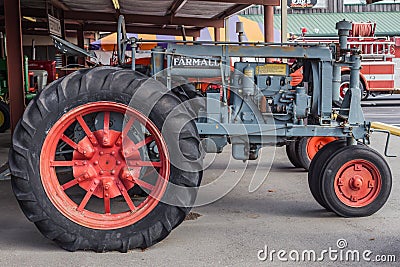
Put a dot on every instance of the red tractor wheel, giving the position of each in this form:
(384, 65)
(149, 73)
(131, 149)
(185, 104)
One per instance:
(316, 167)
(307, 148)
(356, 181)
(80, 152)
(106, 164)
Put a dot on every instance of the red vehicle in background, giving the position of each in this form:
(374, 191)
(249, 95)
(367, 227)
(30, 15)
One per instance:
(380, 71)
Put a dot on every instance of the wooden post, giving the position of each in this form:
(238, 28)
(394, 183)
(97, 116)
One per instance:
(81, 43)
(15, 66)
(217, 34)
(269, 24)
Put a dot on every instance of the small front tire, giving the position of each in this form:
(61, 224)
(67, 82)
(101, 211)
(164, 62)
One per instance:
(291, 153)
(316, 167)
(307, 148)
(356, 182)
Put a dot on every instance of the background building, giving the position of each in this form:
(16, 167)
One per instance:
(320, 19)
(338, 6)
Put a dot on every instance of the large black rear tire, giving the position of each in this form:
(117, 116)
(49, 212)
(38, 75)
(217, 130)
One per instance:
(87, 87)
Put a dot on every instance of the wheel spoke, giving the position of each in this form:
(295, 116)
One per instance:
(68, 141)
(139, 163)
(85, 200)
(87, 197)
(127, 127)
(144, 142)
(61, 163)
(126, 196)
(144, 184)
(96, 163)
(106, 121)
(69, 184)
(106, 129)
(129, 201)
(87, 130)
(64, 152)
(107, 184)
(107, 204)
(149, 172)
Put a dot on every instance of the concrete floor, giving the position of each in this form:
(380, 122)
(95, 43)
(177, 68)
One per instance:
(282, 215)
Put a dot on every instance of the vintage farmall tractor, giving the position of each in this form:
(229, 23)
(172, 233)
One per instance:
(110, 159)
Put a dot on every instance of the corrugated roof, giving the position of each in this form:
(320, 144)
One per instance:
(323, 24)
(141, 16)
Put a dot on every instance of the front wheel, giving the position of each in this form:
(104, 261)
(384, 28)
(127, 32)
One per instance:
(291, 153)
(307, 148)
(356, 181)
(316, 167)
(80, 151)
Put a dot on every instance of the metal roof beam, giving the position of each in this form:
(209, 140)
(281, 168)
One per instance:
(176, 6)
(147, 19)
(129, 18)
(167, 20)
(141, 30)
(111, 28)
(231, 11)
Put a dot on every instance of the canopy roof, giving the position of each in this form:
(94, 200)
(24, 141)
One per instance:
(253, 32)
(142, 16)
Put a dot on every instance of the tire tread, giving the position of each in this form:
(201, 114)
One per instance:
(86, 82)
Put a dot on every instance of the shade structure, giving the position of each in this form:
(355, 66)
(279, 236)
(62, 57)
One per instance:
(109, 43)
(253, 32)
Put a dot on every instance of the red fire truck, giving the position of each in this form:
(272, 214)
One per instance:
(380, 60)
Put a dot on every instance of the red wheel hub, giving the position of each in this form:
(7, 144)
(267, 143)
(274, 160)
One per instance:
(344, 87)
(358, 183)
(106, 164)
(314, 144)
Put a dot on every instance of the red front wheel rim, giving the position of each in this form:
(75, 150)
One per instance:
(316, 143)
(344, 87)
(358, 183)
(106, 163)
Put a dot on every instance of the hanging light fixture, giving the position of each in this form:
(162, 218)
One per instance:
(116, 4)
